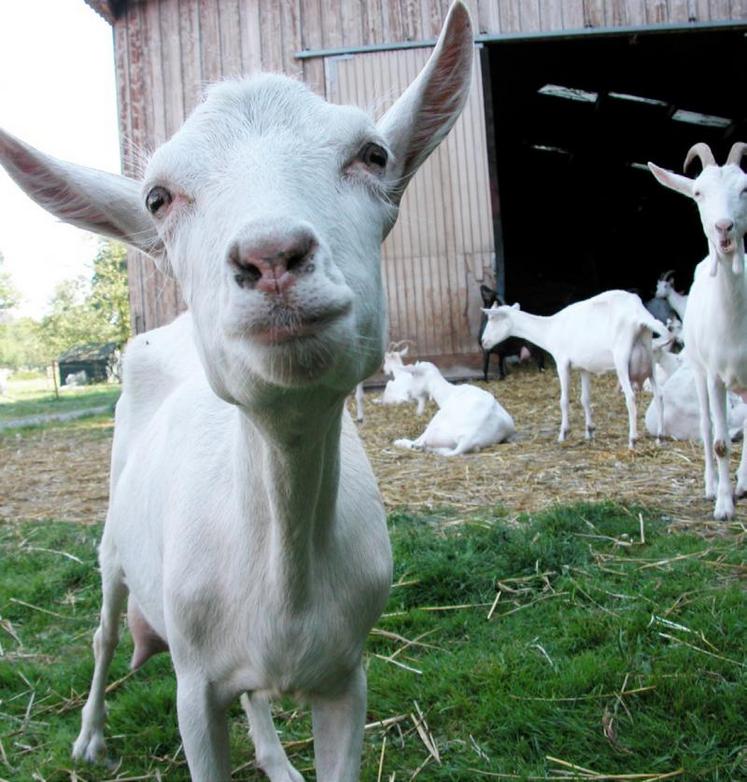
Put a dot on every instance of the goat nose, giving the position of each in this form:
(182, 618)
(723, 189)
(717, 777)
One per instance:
(272, 263)
(724, 226)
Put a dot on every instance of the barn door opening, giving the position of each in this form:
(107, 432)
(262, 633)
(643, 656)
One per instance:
(574, 123)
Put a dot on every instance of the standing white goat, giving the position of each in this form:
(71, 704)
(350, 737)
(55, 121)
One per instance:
(665, 290)
(715, 327)
(468, 418)
(244, 520)
(612, 330)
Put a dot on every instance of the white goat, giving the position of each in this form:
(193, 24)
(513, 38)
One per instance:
(245, 521)
(715, 327)
(397, 390)
(612, 330)
(468, 418)
(681, 409)
(665, 290)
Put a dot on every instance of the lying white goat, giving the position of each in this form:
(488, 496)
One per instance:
(245, 521)
(681, 409)
(468, 418)
(715, 328)
(610, 331)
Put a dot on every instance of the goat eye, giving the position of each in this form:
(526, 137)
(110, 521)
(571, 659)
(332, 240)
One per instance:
(697, 194)
(374, 156)
(157, 198)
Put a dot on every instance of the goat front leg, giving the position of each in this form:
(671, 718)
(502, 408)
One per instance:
(203, 725)
(90, 745)
(586, 404)
(271, 757)
(724, 499)
(564, 376)
(338, 724)
(706, 434)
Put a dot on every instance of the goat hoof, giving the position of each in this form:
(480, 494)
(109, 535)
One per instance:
(590, 432)
(89, 746)
(741, 492)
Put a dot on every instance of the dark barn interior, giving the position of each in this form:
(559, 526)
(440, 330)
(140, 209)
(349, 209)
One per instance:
(574, 121)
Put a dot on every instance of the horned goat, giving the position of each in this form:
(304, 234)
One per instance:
(245, 521)
(610, 331)
(469, 418)
(715, 328)
(665, 291)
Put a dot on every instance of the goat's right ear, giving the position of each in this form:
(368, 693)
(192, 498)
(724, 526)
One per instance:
(682, 184)
(425, 112)
(107, 204)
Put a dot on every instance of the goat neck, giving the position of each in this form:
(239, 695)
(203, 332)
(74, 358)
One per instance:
(295, 476)
(439, 388)
(533, 328)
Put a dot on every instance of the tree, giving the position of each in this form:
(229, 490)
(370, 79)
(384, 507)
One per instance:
(110, 295)
(9, 296)
(91, 311)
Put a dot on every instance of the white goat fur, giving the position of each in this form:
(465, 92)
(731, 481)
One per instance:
(681, 409)
(610, 331)
(245, 520)
(398, 390)
(677, 301)
(469, 418)
(715, 326)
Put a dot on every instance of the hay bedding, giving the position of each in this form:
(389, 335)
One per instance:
(62, 472)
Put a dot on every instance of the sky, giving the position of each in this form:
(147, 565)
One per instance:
(57, 92)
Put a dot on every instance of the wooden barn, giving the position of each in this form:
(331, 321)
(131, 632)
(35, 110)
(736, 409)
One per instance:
(540, 190)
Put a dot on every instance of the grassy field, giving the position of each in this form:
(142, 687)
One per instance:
(36, 397)
(585, 642)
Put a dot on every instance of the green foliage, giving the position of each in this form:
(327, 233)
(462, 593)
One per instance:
(9, 296)
(603, 651)
(81, 311)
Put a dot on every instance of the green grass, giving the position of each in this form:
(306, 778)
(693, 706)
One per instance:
(615, 655)
(36, 397)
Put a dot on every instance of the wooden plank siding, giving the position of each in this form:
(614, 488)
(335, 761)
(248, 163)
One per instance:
(442, 246)
(167, 51)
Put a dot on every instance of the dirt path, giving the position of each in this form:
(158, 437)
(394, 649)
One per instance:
(47, 418)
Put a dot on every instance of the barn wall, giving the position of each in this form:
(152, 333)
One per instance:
(167, 50)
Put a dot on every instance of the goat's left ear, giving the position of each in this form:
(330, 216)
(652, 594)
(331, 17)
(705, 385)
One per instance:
(107, 204)
(682, 184)
(420, 119)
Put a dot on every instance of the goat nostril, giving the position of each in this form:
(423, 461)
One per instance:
(247, 274)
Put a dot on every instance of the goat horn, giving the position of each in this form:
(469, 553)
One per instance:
(702, 151)
(738, 149)
(667, 275)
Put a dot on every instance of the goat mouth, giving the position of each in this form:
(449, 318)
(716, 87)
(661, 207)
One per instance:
(727, 245)
(287, 325)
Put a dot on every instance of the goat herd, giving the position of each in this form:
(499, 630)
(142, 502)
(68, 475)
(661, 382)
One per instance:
(698, 393)
(245, 532)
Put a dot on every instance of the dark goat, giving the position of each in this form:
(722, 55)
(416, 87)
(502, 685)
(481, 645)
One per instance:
(513, 346)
